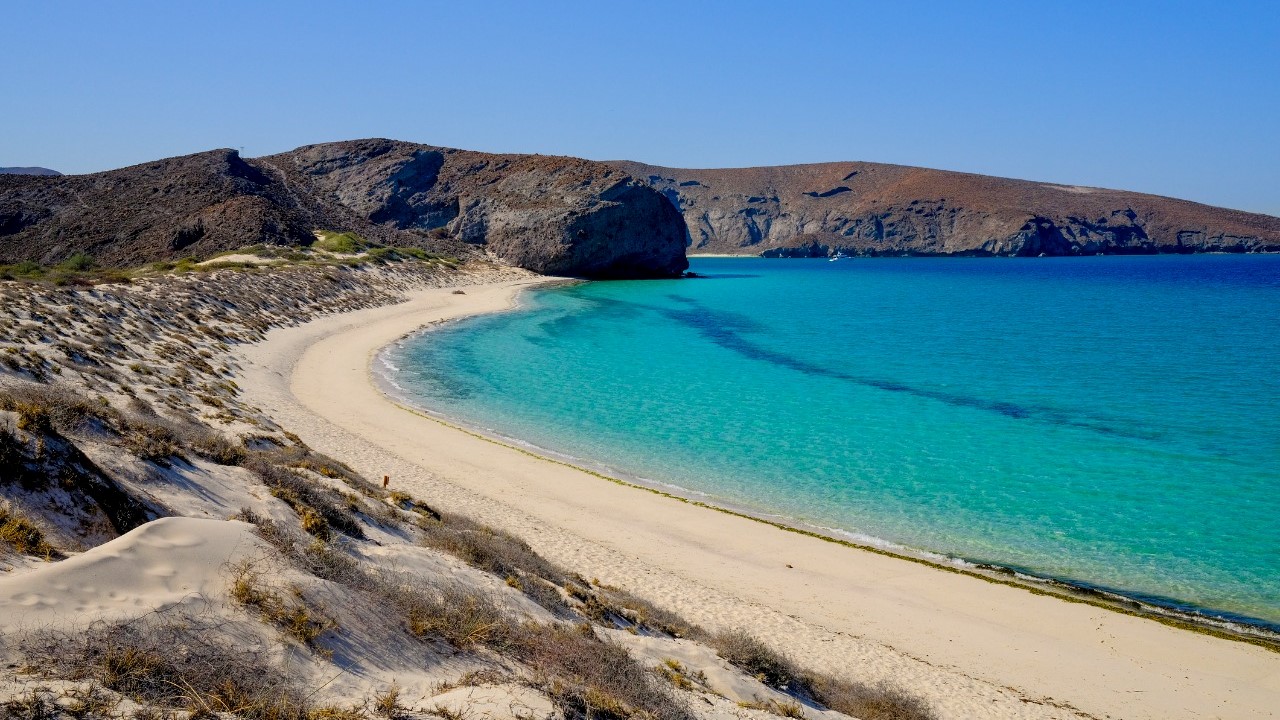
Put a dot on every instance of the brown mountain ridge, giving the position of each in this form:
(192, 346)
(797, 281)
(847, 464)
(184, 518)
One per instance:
(563, 215)
(860, 208)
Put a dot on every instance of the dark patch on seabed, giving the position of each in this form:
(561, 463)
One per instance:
(723, 328)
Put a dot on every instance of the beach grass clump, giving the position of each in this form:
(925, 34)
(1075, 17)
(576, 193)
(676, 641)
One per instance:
(19, 533)
(35, 704)
(346, 243)
(291, 615)
(461, 617)
(489, 549)
(868, 701)
(43, 409)
(387, 703)
(319, 508)
(860, 700)
(674, 672)
(587, 677)
(615, 606)
(177, 663)
(496, 552)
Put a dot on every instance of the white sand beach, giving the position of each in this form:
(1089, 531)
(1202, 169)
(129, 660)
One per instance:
(974, 648)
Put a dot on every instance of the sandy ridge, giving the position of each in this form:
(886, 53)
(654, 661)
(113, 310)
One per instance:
(975, 649)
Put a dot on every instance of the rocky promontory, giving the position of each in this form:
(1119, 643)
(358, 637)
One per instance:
(859, 208)
(548, 214)
(554, 215)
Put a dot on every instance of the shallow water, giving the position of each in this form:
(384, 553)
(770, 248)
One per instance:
(1113, 421)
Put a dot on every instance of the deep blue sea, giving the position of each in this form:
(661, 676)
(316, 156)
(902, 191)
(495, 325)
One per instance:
(1112, 421)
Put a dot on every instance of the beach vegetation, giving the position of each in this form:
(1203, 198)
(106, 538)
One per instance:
(178, 663)
(22, 535)
(347, 243)
(319, 508)
(387, 702)
(674, 672)
(860, 700)
(79, 262)
(34, 704)
(291, 615)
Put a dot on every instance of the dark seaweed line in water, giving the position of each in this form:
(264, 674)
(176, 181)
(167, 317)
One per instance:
(718, 327)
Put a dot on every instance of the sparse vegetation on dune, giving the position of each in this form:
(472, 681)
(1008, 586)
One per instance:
(332, 250)
(172, 663)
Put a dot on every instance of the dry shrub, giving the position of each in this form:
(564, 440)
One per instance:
(320, 508)
(460, 617)
(785, 708)
(211, 445)
(23, 536)
(387, 702)
(591, 678)
(291, 615)
(496, 552)
(268, 530)
(152, 439)
(43, 409)
(868, 702)
(178, 663)
(759, 660)
(613, 606)
(36, 704)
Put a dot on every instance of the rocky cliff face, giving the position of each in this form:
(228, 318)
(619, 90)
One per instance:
(547, 214)
(553, 215)
(873, 209)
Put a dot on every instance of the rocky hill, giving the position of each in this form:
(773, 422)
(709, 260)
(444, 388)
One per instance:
(569, 216)
(27, 171)
(873, 209)
(547, 214)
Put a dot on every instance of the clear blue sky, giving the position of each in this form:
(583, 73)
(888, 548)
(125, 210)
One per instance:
(1174, 98)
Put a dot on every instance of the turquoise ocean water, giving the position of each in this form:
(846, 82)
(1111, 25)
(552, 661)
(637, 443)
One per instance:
(1111, 421)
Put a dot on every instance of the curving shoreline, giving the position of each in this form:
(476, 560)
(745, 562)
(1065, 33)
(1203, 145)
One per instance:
(978, 649)
(1165, 610)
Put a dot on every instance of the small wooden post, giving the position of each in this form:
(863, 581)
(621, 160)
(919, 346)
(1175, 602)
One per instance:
(385, 479)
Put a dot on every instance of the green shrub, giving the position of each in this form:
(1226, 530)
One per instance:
(78, 263)
(347, 242)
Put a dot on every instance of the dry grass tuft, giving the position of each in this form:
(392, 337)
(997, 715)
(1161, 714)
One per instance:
(674, 672)
(588, 677)
(788, 709)
(23, 536)
(387, 702)
(460, 617)
(320, 509)
(614, 606)
(860, 700)
(35, 704)
(178, 664)
(292, 616)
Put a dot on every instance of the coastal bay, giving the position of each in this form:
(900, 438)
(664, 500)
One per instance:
(975, 648)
